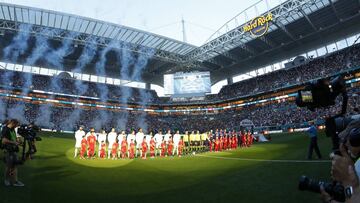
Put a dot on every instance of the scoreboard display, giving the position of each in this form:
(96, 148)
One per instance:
(187, 83)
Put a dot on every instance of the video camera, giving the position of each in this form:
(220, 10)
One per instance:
(29, 133)
(323, 93)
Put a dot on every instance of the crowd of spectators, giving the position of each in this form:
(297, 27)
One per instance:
(29, 81)
(325, 66)
(281, 113)
(320, 67)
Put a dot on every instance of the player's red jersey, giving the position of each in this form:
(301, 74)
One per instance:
(217, 144)
(221, 143)
(123, 148)
(210, 146)
(248, 139)
(114, 149)
(234, 142)
(163, 149)
(225, 142)
(91, 141)
(83, 147)
(152, 148)
(132, 150)
(170, 147)
(144, 148)
(103, 150)
(243, 140)
(181, 147)
(229, 143)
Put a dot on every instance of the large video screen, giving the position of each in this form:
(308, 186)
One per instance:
(187, 83)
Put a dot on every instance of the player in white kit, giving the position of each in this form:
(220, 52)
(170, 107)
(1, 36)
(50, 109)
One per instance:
(111, 139)
(176, 140)
(78, 137)
(158, 140)
(148, 138)
(167, 137)
(139, 139)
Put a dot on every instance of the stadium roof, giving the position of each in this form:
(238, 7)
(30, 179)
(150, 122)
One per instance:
(297, 26)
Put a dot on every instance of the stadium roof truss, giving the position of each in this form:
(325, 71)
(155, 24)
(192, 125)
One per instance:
(283, 15)
(59, 25)
(294, 22)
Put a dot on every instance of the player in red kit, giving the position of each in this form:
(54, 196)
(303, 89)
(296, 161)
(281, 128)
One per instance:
(102, 150)
(217, 144)
(230, 142)
(114, 149)
(234, 142)
(152, 147)
(181, 146)
(248, 139)
(123, 148)
(221, 143)
(170, 147)
(163, 148)
(132, 149)
(91, 140)
(225, 142)
(144, 148)
(83, 147)
(243, 140)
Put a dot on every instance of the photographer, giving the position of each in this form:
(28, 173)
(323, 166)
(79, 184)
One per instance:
(350, 149)
(346, 167)
(10, 143)
(352, 183)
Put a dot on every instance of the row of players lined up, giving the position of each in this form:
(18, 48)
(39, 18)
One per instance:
(131, 145)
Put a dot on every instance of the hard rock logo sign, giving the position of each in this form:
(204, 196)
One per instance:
(259, 25)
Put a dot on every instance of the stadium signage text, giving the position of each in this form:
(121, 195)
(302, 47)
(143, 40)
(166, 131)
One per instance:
(259, 25)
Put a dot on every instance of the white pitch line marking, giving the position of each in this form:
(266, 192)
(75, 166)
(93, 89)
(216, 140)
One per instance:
(265, 160)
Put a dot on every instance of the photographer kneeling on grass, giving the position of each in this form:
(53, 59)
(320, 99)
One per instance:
(10, 144)
(346, 167)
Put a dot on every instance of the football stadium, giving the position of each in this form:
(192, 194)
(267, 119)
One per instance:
(262, 109)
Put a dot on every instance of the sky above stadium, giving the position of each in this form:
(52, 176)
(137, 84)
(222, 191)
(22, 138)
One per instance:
(202, 17)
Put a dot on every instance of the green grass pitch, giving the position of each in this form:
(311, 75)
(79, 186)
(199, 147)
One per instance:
(55, 176)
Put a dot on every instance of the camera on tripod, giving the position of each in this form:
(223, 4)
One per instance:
(29, 133)
(323, 93)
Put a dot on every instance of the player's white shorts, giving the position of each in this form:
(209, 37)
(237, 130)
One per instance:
(157, 145)
(138, 146)
(78, 144)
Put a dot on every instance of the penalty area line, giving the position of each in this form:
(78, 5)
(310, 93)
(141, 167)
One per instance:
(265, 160)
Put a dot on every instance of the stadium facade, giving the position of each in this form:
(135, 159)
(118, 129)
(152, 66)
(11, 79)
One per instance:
(91, 47)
